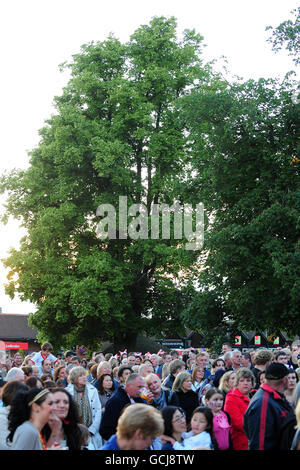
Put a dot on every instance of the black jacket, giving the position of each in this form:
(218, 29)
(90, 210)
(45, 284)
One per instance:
(188, 401)
(269, 421)
(112, 412)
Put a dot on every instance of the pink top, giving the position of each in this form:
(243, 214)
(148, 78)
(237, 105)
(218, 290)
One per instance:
(221, 429)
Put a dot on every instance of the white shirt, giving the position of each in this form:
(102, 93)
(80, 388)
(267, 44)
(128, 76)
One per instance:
(190, 441)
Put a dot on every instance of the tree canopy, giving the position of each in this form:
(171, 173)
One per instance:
(116, 133)
(245, 138)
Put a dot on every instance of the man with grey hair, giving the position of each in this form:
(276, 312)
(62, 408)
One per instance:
(236, 359)
(145, 369)
(15, 374)
(130, 393)
(228, 360)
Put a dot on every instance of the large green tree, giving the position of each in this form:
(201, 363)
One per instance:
(245, 138)
(116, 132)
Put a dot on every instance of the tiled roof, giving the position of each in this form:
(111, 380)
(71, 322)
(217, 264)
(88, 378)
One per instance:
(15, 327)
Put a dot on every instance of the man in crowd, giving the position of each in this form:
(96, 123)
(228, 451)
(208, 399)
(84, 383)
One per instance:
(68, 356)
(122, 397)
(46, 367)
(165, 358)
(226, 347)
(281, 357)
(246, 360)
(269, 421)
(123, 372)
(18, 360)
(161, 398)
(145, 369)
(76, 361)
(131, 360)
(261, 360)
(228, 360)
(155, 359)
(202, 360)
(236, 359)
(175, 367)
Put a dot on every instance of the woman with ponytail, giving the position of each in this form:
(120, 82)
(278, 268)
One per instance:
(30, 411)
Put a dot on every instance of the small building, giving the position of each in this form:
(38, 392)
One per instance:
(16, 334)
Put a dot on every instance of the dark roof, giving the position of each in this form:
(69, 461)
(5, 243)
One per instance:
(15, 327)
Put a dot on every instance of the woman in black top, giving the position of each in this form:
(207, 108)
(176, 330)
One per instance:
(106, 388)
(188, 399)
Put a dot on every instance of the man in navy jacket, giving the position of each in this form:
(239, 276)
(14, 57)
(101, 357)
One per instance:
(114, 406)
(269, 422)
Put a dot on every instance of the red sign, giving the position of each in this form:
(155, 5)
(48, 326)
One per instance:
(16, 345)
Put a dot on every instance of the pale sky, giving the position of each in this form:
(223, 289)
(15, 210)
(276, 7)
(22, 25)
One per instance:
(37, 35)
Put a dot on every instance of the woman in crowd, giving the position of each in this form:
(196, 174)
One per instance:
(201, 435)
(93, 372)
(27, 371)
(187, 398)
(30, 411)
(87, 399)
(175, 424)
(261, 377)
(8, 392)
(60, 373)
(289, 393)
(236, 404)
(69, 433)
(106, 388)
(227, 382)
(198, 378)
(165, 371)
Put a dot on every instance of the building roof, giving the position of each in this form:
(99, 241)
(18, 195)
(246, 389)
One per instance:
(15, 327)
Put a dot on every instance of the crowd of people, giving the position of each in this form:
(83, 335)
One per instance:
(177, 400)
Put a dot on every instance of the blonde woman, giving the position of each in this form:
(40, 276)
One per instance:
(165, 371)
(227, 382)
(187, 398)
(87, 398)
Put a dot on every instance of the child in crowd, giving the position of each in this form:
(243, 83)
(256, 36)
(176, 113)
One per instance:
(45, 353)
(214, 399)
(201, 435)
